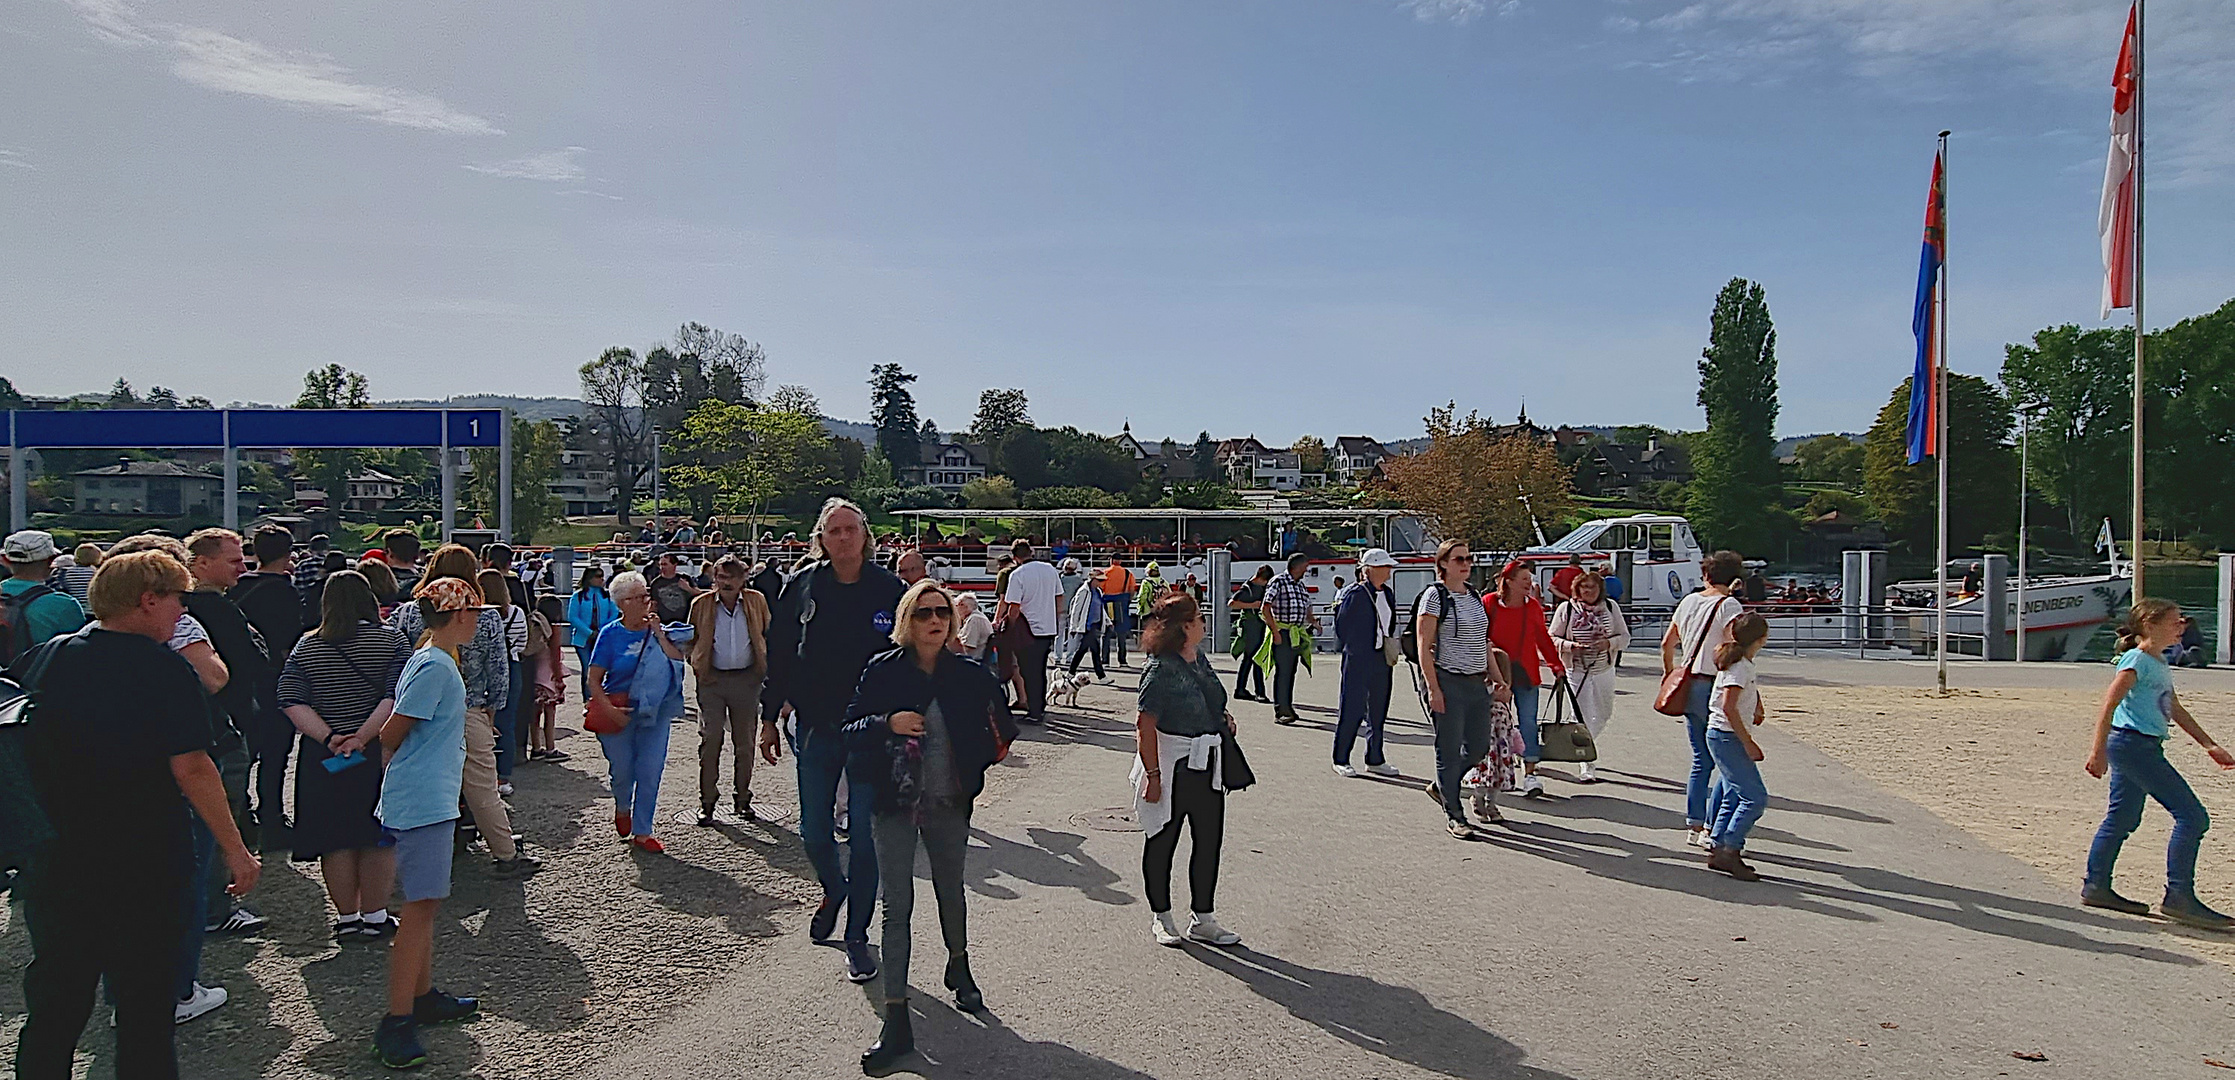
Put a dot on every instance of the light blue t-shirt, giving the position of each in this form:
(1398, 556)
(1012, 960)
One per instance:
(423, 779)
(2147, 708)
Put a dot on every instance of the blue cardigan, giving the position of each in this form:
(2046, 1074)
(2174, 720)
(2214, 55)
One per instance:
(1355, 617)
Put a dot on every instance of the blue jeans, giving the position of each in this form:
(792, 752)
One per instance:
(197, 907)
(2139, 772)
(1117, 621)
(507, 722)
(1703, 762)
(1525, 714)
(1364, 705)
(637, 755)
(1744, 797)
(821, 752)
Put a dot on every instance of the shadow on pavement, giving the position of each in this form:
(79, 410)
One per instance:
(1609, 856)
(1779, 802)
(1397, 1022)
(1642, 815)
(949, 1043)
(1053, 858)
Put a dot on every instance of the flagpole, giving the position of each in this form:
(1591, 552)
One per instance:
(2136, 563)
(1940, 426)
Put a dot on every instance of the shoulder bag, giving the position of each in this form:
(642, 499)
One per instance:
(1234, 769)
(1564, 738)
(1676, 692)
(607, 713)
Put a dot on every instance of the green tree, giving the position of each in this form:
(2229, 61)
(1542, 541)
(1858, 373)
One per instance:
(1067, 498)
(2079, 383)
(2191, 375)
(999, 412)
(1474, 484)
(121, 396)
(1736, 489)
(162, 397)
(1024, 455)
(794, 398)
(990, 493)
(9, 398)
(1081, 459)
(1311, 453)
(535, 463)
(332, 387)
(1830, 459)
(618, 424)
(750, 457)
(1982, 469)
(892, 410)
(1206, 453)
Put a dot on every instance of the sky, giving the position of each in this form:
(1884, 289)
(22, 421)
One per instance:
(1274, 218)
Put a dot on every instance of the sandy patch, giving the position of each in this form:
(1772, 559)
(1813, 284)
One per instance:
(2005, 765)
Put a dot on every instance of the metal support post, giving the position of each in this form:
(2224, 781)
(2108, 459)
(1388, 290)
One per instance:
(19, 506)
(504, 477)
(449, 482)
(1218, 571)
(1994, 606)
(233, 476)
(2225, 649)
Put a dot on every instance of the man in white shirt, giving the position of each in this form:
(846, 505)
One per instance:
(1033, 588)
(729, 654)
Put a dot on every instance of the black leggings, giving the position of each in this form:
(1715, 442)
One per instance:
(1204, 811)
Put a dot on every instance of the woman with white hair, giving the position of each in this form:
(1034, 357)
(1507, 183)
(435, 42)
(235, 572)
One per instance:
(642, 661)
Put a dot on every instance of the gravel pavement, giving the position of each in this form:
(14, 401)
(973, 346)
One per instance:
(1584, 940)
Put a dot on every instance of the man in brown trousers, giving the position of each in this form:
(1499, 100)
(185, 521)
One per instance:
(729, 654)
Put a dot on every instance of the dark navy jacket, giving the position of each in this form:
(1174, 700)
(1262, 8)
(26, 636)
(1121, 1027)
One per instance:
(1355, 615)
(970, 701)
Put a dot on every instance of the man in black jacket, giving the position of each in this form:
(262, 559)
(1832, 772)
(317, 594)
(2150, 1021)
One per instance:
(271, 603)
(215, 559)
(830, 618)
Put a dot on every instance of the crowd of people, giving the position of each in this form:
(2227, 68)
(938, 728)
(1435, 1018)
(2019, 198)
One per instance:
(172, 690)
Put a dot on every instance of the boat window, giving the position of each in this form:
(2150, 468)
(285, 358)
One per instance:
(1612, 538)
(1663, 543)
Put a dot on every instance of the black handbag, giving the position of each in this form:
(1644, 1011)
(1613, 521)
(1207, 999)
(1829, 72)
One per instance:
(1235, 768)
(1562, 738)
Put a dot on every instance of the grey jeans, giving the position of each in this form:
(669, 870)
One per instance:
(946, 838)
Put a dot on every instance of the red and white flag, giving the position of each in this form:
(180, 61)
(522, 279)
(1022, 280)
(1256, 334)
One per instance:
(2115, 222)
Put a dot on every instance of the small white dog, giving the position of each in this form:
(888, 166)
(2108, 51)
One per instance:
(1065, 688)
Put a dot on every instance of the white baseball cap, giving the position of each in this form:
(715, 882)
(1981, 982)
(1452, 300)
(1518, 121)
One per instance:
(1377, 557)
(30, 545)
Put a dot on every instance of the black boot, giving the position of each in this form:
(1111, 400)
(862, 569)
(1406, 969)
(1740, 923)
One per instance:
(893, 1043)
(968, 997)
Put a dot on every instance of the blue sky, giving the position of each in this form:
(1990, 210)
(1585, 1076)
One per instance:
(1275, 218)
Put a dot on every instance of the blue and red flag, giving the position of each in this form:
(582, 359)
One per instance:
(1924, 385)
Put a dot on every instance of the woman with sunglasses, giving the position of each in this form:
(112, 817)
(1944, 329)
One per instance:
(925, 725)
(638, 656)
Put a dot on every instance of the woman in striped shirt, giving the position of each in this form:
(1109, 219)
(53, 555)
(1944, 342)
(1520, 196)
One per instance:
(338, 687)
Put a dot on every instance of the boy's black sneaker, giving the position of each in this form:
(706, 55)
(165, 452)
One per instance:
(2105, 898)
(396, 1043)
(2189, 911)
(436, 1007)
(825, 922)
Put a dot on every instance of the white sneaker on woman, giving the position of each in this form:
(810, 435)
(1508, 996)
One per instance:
(204, 999)
(1383, 769)
(1345, 771)
(1201, 926)
(1166, 931)
(1584, 774)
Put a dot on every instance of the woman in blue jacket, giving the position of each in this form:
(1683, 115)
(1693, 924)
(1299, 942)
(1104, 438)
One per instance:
(924, 726)
(588, 610)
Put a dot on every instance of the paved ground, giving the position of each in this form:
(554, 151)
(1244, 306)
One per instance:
(1582, 941)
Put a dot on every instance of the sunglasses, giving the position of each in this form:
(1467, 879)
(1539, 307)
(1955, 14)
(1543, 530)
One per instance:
(926, 614)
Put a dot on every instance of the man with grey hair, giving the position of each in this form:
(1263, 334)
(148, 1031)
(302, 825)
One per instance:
(831, 616)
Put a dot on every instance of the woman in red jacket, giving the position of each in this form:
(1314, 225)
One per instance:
(1517, 626)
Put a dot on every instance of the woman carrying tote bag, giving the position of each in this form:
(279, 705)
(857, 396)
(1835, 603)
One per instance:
(1590, 632)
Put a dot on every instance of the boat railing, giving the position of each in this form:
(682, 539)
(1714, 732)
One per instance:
(1795, 629)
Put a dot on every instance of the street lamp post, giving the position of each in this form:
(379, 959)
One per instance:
(2025, 433)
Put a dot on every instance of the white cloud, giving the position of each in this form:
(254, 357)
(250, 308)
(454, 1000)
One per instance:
(587, 191)
(1620, 24)
(305, 80)
(1457, 11)
(15, 159)
(562, 166)
(2064, 43)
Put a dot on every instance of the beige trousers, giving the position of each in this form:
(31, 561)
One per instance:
(728, 701)
(482, 800)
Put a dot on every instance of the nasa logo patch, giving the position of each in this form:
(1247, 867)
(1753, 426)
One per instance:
(882, 621)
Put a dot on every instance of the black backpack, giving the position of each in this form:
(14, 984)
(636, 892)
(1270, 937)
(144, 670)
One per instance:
(15, 623)
(1445, 609)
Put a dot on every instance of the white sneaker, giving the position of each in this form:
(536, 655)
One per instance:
(1167, 932)
(205, 998)
(1584, 774)
(1344, 771)
(505, 788)
(1531, 787)
(1383, 769)
(1204, 928)
(1696, 838)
